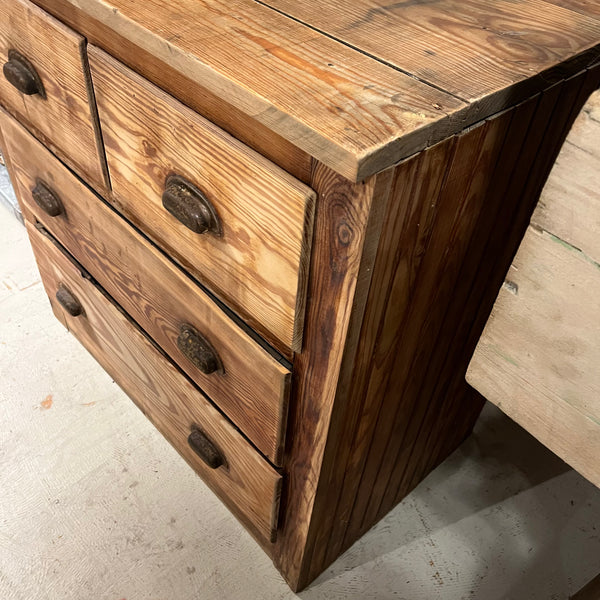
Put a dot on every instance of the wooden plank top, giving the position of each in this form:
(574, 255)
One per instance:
(360, 84)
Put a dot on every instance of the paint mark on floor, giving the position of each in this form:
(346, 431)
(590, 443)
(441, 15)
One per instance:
(46, 403)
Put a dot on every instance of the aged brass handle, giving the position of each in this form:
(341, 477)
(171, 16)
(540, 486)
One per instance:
(205, 449)
(190, 206)
(45, 197)
(22, 75)
(68, 301)
(198, 350)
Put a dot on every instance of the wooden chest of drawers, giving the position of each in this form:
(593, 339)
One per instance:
(281, 229)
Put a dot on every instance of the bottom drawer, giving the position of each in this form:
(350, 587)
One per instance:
(244, 480)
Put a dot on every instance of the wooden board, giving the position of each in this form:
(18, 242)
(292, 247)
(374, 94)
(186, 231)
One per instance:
(253, 389)
(390, 86)
(469, 48)
(590, 8)
(66, 118)
(258, 266)
(246, 482)
(570, 205)
(538, 356)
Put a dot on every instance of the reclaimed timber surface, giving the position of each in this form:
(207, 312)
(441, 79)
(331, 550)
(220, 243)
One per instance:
(538, 356)
(471, 49)
(258, 265)
(66, 118)
(246, 483)
(570, 205)
(192, 93)
(591, 8)
(252, 390)
(355, 100)
(427, 130)
(347, 110)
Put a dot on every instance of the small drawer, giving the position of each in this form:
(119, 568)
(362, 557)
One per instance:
(245, 380)
(45, 83)
(205, 439)
(233, 219)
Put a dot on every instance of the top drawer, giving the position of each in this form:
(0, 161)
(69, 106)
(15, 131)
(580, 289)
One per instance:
(174, 174)
(45, 84)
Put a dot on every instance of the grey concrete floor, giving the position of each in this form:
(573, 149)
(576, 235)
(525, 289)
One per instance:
(94, 504)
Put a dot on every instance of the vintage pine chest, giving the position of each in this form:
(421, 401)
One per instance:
(281, 225)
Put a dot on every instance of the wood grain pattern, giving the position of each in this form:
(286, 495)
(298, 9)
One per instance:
(66, 119)
(346, 230)
(538, 357)
(591, 8)
(406, 405)
(219, 110)
(347, 107)
(575, 176)
(340, 106)
(423, 285)
(253, 390)
(258, 266)
(559, 106)
(247, 483)
(469, 48)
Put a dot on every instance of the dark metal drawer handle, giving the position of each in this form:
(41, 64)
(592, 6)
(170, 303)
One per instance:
(68, 301)
(46, 198)
(22, 75)
(205, 449)
(198, 350)
(190, 206)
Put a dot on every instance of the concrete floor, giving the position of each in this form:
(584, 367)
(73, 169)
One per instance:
(94, 504)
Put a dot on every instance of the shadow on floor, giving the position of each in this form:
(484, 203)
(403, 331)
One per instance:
(506, 501)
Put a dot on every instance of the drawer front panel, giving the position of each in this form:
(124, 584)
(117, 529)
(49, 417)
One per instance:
(248, 384)
(228, 464)
(45, 84)
(257, 257)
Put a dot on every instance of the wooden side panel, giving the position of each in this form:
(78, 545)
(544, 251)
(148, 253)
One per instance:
(66, 118)
(452, 222)
(258, 264)
(246, 482)
(557, 110)
(253, 387)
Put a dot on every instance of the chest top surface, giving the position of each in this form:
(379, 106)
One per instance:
(360, 84)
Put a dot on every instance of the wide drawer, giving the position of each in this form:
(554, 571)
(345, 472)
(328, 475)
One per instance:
(45, 84)
(248, 383)
(172, 171)
(216, 451)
